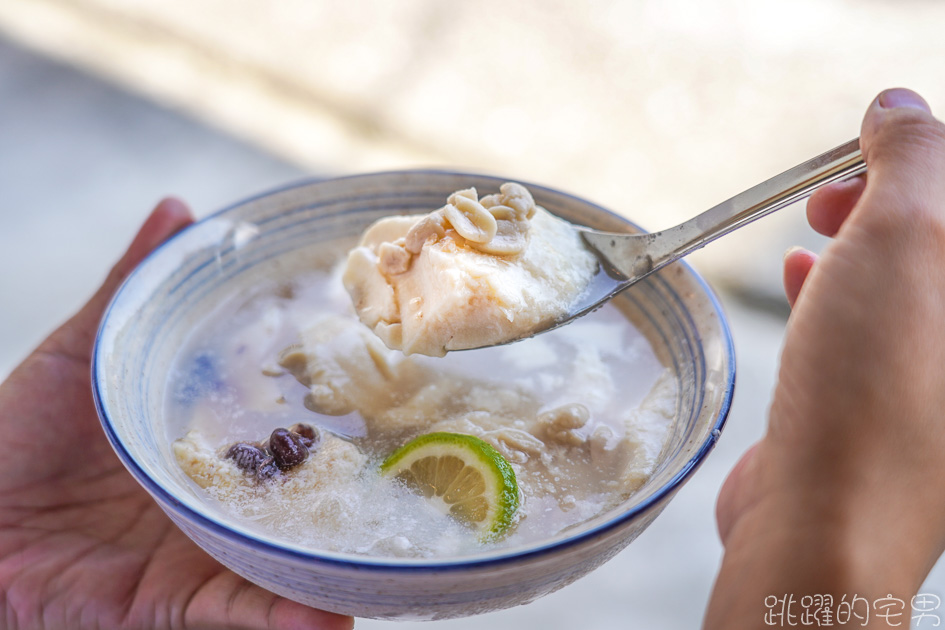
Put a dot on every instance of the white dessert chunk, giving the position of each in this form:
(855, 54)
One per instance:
(474, 273)
(582, 415)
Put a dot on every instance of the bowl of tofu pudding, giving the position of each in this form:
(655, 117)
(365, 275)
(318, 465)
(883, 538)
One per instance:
(287, 379)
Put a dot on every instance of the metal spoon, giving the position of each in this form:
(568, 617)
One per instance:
(628, 258)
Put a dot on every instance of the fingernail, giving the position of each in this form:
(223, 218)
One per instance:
(901, 97)
(791, 250)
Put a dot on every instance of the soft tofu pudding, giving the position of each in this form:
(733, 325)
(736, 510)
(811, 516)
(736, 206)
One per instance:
(476, 272)
(294, 419)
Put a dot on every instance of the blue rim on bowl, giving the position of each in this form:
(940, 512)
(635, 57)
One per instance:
(202, 518)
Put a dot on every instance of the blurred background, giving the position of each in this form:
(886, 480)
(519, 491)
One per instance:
(656, 109)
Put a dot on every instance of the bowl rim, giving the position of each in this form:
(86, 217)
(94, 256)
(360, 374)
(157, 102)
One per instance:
(349, 560)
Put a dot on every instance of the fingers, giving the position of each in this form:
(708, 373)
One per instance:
(899, 134)
(168, 217)
(829, 207)
(797, 265)
(75, 337)
(288, 614)
(904, 149)
(229, 601)
(737, 493)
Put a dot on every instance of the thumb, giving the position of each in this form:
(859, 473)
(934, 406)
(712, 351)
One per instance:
(75, 338)
(904, 147)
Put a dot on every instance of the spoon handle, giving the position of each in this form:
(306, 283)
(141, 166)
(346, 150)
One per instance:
(779, 191)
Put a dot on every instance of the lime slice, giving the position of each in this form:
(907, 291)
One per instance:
(462, 476)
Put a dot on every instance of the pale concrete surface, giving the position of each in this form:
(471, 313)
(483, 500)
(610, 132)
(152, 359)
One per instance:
(81, 165)
(656, 108)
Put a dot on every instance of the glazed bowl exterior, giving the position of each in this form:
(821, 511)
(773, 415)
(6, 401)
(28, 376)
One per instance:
(168, 294)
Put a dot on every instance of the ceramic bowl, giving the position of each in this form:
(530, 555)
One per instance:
(174, 287)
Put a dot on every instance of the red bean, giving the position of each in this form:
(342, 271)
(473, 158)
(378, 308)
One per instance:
(246, 456)
(287, 448)
(307, 432)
